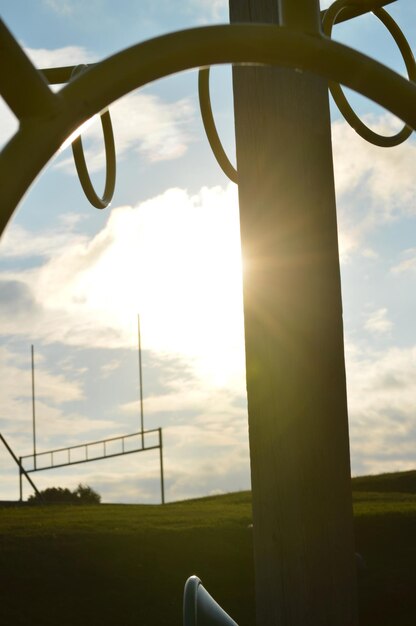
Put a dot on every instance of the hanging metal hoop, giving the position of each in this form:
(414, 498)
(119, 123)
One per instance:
(337, 93)
(110, 159)
(210, 128)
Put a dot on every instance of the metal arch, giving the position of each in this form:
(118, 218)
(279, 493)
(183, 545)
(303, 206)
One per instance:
(143, 63)
(341, 101)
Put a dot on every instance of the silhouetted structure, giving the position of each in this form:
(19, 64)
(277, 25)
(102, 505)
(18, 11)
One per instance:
(93, 451)
(293, 318)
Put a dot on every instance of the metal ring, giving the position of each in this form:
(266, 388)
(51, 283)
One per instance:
(210, 128)
(337, 92)
(110, 159)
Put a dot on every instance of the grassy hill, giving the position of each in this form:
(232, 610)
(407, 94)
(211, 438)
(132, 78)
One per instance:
(127, 564)
(399, 482)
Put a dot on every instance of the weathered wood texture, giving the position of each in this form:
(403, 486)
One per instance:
(298, 425)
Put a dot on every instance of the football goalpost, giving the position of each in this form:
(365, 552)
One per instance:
(110, 447)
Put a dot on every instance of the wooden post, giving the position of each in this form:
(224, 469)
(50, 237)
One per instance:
(298, 424)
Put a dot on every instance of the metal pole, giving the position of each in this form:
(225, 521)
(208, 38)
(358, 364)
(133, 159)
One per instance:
(19, 464)
(140, 380)
(33, 406)
(162, 480)
(296, 391)
(15, 92)
(20, 480)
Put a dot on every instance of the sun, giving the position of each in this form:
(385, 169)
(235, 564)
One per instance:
(176, 260)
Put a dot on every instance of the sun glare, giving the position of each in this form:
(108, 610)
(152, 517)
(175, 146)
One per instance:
(176, 260)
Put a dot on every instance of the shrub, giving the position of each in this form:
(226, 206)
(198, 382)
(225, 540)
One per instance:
(83, 494)
(86, 495)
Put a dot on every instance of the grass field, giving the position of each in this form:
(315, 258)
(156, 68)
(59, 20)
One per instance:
(127, 564)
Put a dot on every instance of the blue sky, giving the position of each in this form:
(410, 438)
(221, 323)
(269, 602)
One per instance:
(73, 279)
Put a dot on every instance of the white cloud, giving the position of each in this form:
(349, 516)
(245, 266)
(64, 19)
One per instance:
(142, 124)
(408, 264)
(17, 382)
(378, 322)
(44, 58)
(175, 259)
(55, 425)
(109, 367)
(374, 185)
(225, 470)
(20, 243)
(375, 189)
(381, 400)
(190, 408)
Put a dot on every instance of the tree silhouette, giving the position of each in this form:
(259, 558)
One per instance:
(83, 494)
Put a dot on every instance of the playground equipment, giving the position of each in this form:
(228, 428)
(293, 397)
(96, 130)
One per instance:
(200, 609)
(303, 541)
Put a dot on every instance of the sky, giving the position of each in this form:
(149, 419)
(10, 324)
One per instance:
(74, 279)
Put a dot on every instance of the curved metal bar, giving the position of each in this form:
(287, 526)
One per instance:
(210, 128)
(337, 93)
(134, 67)
(24, 79)
(110, 159)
